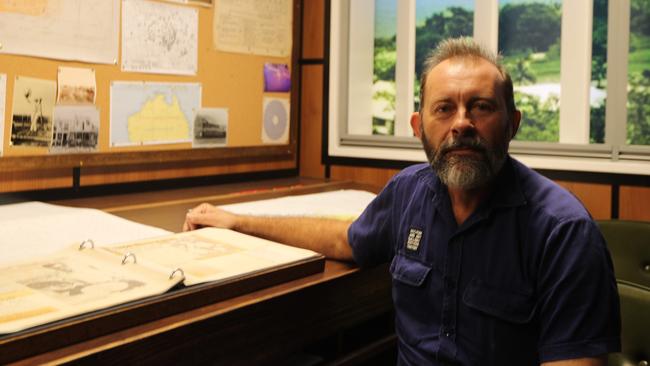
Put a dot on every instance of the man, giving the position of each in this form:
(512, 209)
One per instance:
(492, 264)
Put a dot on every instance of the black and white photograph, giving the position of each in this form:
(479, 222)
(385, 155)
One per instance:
(210, 127)
(76, 129)
(33, 103)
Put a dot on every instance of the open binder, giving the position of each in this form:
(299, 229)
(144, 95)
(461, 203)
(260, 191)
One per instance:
(84, 278)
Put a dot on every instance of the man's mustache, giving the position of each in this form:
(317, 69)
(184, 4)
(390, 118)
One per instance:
(463, 143)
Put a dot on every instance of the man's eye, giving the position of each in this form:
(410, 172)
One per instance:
(483, 107)
(442, 109)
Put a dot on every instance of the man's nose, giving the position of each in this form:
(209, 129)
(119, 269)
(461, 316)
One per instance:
(463, 124)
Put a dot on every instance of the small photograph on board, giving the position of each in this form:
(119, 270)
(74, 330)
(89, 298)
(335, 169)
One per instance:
(277, 77)
(76, 86)
(275, 120)
(210, 127)
(32, 112)
(75, 129)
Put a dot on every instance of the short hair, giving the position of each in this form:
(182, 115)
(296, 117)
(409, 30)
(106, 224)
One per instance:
(466, 47)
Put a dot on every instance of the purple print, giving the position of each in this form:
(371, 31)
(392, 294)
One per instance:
(276, 78)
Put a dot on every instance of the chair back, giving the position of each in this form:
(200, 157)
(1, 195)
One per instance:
(629, 245)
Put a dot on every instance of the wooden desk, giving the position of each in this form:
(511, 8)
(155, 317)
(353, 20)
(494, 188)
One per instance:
(261, 327)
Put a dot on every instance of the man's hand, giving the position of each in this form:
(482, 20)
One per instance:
(207, 215)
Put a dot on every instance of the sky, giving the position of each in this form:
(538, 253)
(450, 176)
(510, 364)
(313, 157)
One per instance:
(386, 10)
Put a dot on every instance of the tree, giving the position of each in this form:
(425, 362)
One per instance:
(452, 22)
(599, 43)
(539, 121)
(528, 27)
(597, 123)
(521, 72)
(640, 16)
(638, 109)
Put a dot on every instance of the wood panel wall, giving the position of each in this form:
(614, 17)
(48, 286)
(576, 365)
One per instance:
(598, 198)
(311, 97)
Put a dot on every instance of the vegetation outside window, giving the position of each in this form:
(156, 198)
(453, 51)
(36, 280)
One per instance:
(581, 70)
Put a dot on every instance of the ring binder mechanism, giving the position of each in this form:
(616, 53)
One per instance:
(175, 271)
(82, 246)
(129, 255)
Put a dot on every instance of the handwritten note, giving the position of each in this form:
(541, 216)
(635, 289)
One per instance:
(253, 27)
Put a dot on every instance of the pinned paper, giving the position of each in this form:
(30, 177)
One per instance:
(210, 127)
(32, 111)
(76, 86)
(277, 77)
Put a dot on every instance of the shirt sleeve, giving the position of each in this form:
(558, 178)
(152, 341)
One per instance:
(371, 236)
(578, 306)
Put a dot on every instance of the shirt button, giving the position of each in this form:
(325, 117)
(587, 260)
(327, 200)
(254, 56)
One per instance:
(447, 334)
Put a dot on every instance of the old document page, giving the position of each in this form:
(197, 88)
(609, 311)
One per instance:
(72, 282)
(212, 254)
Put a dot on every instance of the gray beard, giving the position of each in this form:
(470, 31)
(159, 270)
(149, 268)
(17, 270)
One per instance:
(465, 172)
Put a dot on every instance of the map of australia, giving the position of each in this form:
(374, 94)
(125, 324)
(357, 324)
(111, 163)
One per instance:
(159, 121)
(144, 113)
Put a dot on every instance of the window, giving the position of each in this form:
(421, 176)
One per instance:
(598, 91)
(638, 96)
(384, 61)
(529, 40)
(435, 21)
(582, 82)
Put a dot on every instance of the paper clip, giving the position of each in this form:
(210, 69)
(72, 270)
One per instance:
(126, 257)
(82, 246)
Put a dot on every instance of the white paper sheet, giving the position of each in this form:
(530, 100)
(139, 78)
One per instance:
(83, 30)
(3, 100)
(253, 27)
(342, 204)
(159, 38)
(33, 229)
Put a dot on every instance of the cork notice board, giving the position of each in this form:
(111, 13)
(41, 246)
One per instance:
(230, 80)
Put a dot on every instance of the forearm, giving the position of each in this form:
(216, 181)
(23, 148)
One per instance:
(326, 236)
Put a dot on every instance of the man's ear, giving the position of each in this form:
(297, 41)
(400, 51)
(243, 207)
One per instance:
(516, 119)
(416, 124)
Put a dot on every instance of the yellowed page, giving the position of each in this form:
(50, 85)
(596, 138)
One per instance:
(213, 254)
(72, 282)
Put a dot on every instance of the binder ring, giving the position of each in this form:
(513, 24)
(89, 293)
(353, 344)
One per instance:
(90, 242)
(129, 255)
(177, 270)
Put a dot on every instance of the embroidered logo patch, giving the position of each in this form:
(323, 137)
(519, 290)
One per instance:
(413, 242)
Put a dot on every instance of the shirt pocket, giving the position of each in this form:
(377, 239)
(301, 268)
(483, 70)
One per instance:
(409, 271)
(513, 306)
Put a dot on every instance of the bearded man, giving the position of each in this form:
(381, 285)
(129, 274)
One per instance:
(492, 263)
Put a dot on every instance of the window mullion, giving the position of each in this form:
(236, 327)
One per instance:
(575, 70)
(486, 23)
(360, 71)
(618, 43)
(405, 67)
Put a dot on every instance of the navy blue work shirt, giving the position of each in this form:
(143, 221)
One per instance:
(526, 279)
